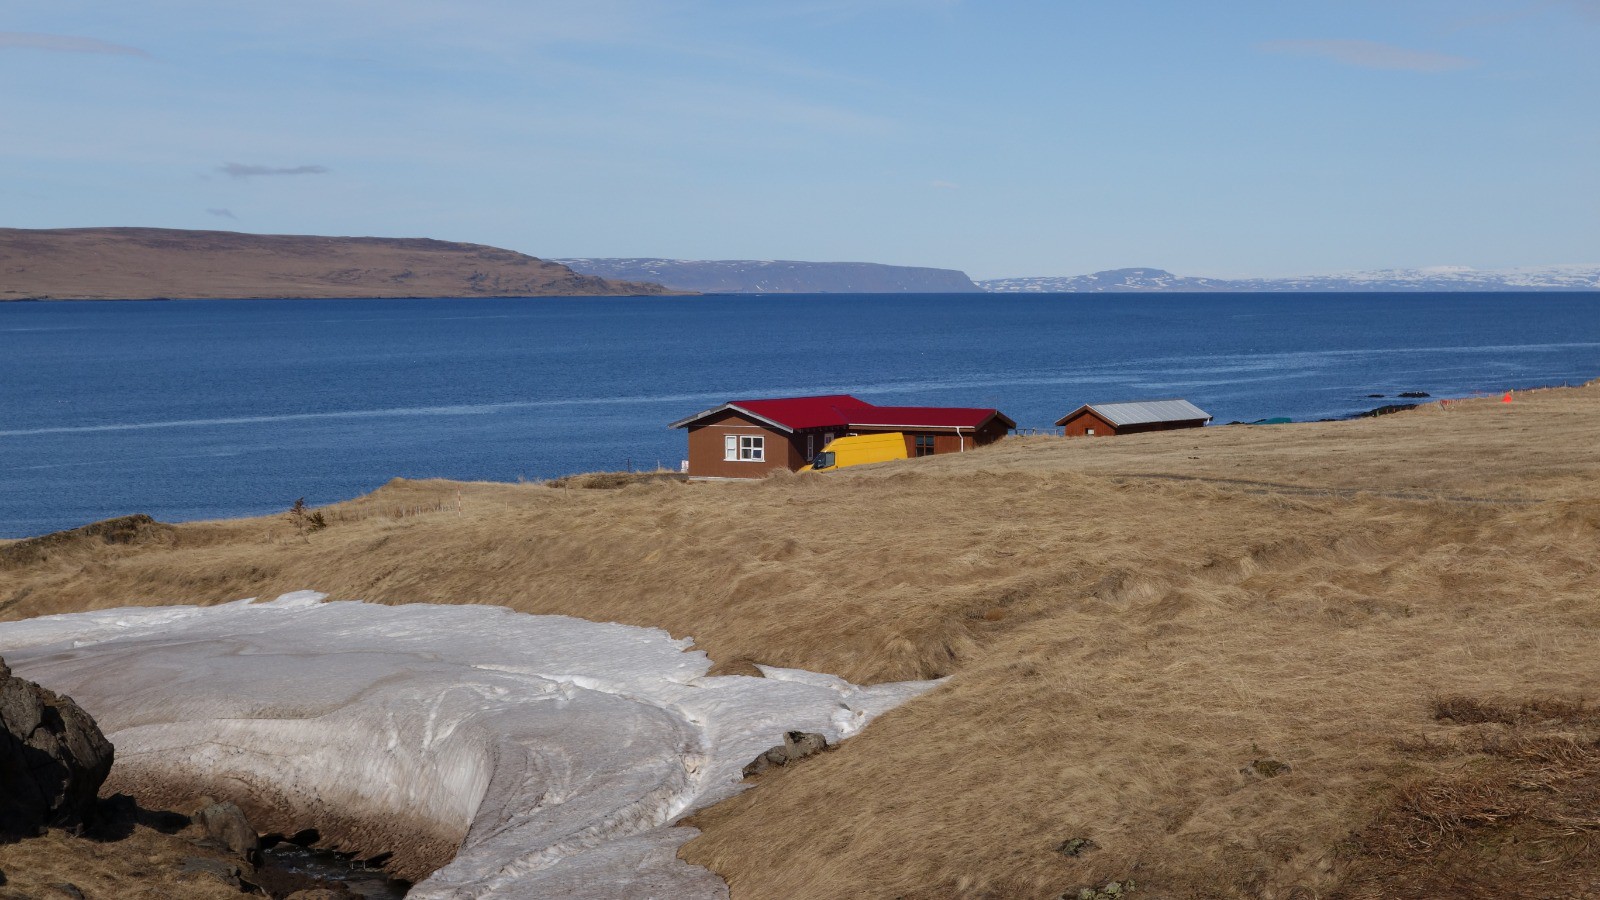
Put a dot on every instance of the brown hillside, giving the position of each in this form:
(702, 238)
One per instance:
(1326, 660)
(147, 263)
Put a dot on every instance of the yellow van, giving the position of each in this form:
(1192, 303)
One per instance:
(857, 449)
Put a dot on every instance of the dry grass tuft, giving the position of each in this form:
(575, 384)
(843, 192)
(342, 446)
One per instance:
(1388, 617)
(613, 480)
(134, 529)
(1509, 812)
(1472, 711)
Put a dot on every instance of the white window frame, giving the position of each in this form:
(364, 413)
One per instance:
(752, 448)
(730, 448)
(811, 447)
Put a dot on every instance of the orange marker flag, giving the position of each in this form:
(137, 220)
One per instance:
(1506, 398)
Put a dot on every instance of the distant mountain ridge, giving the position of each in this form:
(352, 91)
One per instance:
(151, 263)
(751, 276)
(1440, 278)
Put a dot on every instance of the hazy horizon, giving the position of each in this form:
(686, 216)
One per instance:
(1006, 140)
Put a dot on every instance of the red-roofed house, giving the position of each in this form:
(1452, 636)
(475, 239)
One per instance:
(749, 438)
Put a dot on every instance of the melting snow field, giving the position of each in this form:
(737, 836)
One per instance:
(556, 752)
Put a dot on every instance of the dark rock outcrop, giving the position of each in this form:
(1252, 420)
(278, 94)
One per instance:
(797, 745)
(53, 759)
(1390, 409)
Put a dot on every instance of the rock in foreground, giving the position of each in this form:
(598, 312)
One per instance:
(53, 759)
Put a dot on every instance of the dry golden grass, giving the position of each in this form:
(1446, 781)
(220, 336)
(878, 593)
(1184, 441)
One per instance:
(144, 865)
(1516, 814)
(1139, 631)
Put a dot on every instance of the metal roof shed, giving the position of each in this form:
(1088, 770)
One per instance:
(1132, 417)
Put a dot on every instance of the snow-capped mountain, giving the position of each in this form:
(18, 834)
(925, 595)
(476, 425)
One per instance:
(1436, 278)
(1110, 280)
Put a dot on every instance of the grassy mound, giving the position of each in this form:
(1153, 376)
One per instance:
(1224, 662)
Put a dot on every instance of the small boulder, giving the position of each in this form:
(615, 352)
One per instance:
(800, 744)
(225, 825)
(1266, 768)
(1076, 846)
(773, 757)
(200, 867)
(797, 745)
(53, 759)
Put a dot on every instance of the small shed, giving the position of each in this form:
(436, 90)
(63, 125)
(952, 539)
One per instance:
(1132, 417)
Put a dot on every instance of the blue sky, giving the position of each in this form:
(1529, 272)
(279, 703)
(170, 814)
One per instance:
(1004, 138)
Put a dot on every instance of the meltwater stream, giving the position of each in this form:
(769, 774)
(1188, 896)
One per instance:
(555, 753)
(365, 882)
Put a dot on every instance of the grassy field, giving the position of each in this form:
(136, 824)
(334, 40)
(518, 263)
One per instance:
(1323, 660)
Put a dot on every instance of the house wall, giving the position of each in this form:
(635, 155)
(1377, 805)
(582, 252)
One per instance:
(783, 451)
(1160, 426)
(991, 432)
(1079, 426)
(946, 441)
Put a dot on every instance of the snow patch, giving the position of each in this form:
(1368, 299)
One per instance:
(557, 752)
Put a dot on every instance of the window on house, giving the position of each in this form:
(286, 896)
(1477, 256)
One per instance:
(730, 446)
(811, 447)
(1089, 431)
(752, 448)
(827, 438)
(924, 445)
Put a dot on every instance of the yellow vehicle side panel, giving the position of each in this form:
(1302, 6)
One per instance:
(860, 449)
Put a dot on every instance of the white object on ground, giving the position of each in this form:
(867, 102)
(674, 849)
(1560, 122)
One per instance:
(557, 751)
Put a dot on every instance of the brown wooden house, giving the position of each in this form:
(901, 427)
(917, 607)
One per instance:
(749, 438)
(1098, 419)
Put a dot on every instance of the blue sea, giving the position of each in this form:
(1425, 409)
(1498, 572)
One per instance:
(203, 409)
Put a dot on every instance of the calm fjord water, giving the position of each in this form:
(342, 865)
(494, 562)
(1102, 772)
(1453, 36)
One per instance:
(203, 409)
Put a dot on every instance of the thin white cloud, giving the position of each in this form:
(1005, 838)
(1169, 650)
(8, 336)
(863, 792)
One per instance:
(941, 184)
(65, 43)
(222, 213)
(1372, 55)
(243, 170)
